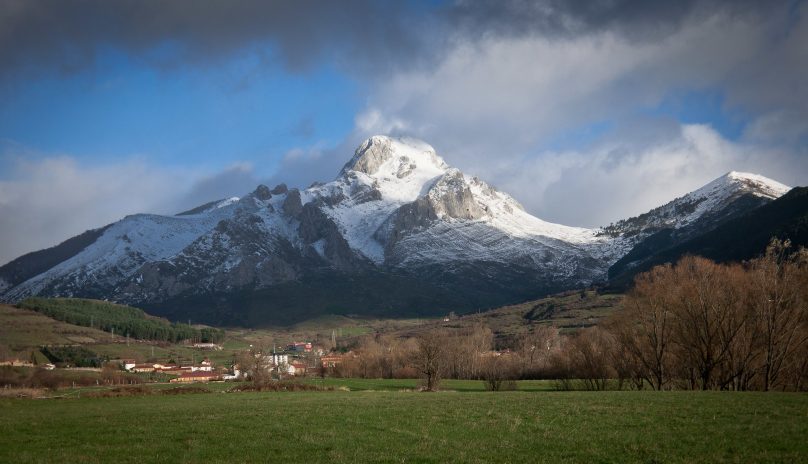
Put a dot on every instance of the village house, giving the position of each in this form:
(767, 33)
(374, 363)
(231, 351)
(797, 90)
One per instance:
(199, 376)
(297, 369)
(275, 360)
(177, 370)
(236, 375)
(299, 346)
(204, 366)
(142, 368)
(331, 360)
(128, 364)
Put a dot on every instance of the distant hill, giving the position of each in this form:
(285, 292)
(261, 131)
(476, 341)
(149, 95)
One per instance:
(568, 311)
(737, 239)
(23, 329)
(120, 319)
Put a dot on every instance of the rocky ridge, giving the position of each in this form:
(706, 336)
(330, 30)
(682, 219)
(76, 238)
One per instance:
(396, 217)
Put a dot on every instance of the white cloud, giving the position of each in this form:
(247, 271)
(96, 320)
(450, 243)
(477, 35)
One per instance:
(611, 182)
(53, 198)
(493, 106)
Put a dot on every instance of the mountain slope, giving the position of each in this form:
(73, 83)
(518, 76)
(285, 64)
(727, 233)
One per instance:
(397, 232)
(32, 264)
(694, 214)
(737, 239)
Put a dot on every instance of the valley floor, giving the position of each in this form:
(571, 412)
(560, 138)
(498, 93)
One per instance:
(383, 423)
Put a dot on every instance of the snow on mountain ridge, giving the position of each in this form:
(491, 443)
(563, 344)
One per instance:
(385, 174)
(723, 190)
(125, 246)
(691, 207)
(754, 183)
(396, 203)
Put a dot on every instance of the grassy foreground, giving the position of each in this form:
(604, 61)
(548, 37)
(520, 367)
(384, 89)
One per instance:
(381, 426)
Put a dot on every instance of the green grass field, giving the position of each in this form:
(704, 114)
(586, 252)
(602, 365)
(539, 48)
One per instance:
(412, 384)
(395, 426)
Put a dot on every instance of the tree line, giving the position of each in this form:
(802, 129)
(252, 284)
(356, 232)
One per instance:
(702, 325)
(119, 319)
(693, 325)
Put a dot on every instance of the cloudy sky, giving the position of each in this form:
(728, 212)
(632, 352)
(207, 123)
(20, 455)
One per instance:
(586, 111)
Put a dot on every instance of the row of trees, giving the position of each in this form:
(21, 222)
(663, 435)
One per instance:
(464, 353)
(695, 325)
(701, 325)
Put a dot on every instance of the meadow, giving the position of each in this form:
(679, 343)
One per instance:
(381, 421)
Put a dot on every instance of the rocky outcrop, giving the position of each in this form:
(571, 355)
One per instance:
(262, 193)
(292, 206)
(279, 189)
(370, 155)
(451, 197)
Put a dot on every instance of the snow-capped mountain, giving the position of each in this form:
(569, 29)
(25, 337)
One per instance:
(710, 199)
(398, 231)
(686, 217)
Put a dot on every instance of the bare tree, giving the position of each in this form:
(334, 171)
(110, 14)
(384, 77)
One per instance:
(499, 372)
(643, 329)
(535, 348)
(703, 325)
(430, 359)
(255, 366)
(777, 283)
(707, 322)
(589, 353)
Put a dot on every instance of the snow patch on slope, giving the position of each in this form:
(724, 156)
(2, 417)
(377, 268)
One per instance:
(507, 215)
(124, 247)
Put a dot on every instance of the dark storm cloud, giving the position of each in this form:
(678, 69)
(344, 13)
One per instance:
(636, 19)
(364, 35)
(67, 34)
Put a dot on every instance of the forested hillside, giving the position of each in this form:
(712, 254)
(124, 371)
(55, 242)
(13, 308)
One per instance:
(120, 319)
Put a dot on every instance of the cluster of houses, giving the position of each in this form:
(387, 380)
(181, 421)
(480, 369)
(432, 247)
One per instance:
(204, 372)
(283, 364)
(296, 360)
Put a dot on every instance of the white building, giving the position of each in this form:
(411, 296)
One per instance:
(276, 360)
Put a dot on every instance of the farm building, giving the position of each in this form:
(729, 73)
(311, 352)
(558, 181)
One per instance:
(198, 376)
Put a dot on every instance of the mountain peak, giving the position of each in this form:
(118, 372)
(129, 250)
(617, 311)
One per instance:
(401, 169)
(755, 184)
(382, 155)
